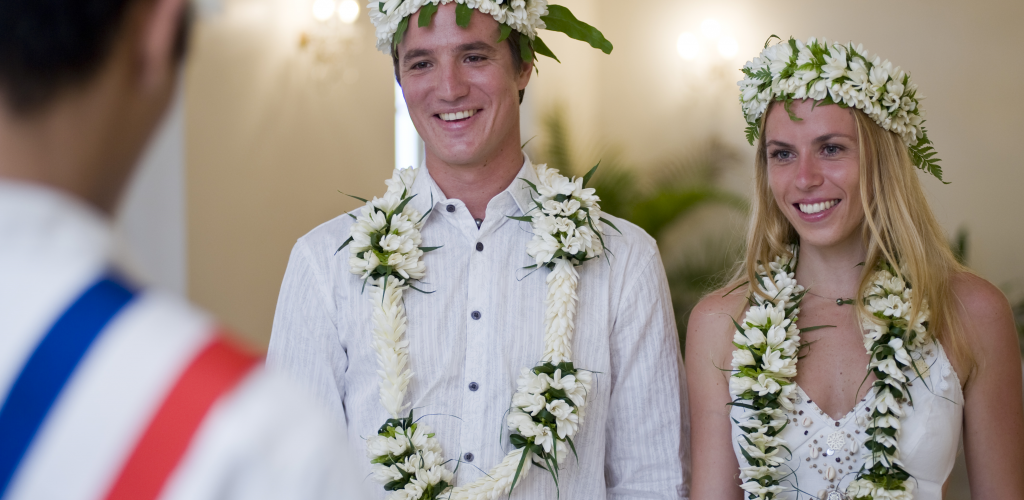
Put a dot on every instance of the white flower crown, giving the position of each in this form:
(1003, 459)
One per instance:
(833, 73)
(392, 17)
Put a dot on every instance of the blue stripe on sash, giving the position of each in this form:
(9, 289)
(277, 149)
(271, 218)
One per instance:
(50, 367)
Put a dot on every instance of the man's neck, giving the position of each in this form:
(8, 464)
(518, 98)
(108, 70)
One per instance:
(476, 184)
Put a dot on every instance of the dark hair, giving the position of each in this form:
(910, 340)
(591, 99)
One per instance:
(513, 45)
(47, 46)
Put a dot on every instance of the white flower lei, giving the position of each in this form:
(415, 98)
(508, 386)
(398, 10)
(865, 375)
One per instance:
(549, 404)
(764, 364)
(832, 73)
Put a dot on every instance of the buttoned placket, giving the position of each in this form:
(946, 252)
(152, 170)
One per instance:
(480, 309)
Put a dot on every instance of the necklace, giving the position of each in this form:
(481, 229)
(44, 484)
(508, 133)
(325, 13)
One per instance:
(549, 405)
(765, 366)
(839, 302)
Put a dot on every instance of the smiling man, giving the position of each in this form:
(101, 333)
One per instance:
(484, 306)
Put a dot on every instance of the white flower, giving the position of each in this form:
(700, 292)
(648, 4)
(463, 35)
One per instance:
(742, 357)
(765, 385)
(530, 403)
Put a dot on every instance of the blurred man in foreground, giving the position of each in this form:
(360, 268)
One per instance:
(108, 390)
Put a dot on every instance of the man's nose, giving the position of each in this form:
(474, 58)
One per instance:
(453, 84)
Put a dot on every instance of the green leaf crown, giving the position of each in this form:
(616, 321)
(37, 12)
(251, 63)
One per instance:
(833, 73)
(392, 18)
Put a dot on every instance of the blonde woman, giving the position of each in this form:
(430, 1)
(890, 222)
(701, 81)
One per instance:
(852, 349)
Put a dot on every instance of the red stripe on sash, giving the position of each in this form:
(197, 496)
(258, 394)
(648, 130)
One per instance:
(217, 369)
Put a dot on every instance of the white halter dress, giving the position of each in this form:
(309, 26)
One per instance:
(828, 453)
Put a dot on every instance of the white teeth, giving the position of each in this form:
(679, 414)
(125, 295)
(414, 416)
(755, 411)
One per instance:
(814, 208)
(450, 117)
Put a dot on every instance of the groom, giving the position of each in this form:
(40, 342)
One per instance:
(463, 74)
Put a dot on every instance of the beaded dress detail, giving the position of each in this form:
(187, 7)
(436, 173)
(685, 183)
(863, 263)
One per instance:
(827, 453)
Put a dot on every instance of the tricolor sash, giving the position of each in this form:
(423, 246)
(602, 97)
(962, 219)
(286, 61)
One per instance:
(217, 369)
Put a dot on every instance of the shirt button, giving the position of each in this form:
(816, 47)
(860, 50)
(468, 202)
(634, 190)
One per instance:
(479, 247)
(468, 457)
(473, 386)
(475, 315)
(451, 208)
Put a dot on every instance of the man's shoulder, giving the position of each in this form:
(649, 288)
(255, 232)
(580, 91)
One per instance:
(628, 244)
(323, 241)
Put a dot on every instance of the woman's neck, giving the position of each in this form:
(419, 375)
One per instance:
(833, 272)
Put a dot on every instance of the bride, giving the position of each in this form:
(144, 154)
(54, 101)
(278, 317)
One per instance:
(851, 349)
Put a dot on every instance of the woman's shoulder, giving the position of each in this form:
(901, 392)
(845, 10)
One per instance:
(717, 310)
(977, 297)
(984, 311)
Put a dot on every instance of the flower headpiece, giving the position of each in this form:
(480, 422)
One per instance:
(832, 73)
(392, 17)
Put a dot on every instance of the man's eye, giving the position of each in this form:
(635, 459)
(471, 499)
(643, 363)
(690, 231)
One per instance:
(474, 58)
(419, 65)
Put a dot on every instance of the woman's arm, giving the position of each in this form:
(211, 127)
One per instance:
(715, 473)
(993, 408)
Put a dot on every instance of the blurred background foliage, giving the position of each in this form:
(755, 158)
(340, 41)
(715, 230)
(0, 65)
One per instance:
(667, 199)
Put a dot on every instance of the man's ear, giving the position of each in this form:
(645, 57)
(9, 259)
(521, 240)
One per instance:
(159, 39)
(526, 73)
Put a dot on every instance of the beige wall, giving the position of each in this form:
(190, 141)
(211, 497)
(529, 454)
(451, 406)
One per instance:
(269, 143)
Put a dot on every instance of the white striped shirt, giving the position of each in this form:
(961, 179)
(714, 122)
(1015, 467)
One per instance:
(634, 441)
(261, 440)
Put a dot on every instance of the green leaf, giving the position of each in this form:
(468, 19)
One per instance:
(606, 221)
(769, 40)
(560, 19)
(401, 206)
(532, 185)
(429, 249)
(506, 30)
(541, 48)
(427, 14)
(364, 200)
(403, 26)
(524, 218)
(586, 178)
(462, 15)
(526, 50)
(753, 132)
(343, 245)
(812, 328)
(519, 469)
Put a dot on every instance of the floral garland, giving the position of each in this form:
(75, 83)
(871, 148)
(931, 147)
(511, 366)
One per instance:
(832, 73)
(548, 406)
(392, 17)
(767, 343)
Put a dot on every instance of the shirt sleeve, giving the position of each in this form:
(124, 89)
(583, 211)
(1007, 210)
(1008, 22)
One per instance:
(648, 440)
(305, 343)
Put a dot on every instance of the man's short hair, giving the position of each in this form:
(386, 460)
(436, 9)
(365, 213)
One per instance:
(47, 46)
(513, 45)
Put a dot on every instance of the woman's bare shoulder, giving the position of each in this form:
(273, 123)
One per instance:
(985, 313)
(716, 311)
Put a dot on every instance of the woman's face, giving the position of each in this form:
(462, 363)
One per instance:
(814, 172)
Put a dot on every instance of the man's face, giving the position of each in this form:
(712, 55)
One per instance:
(461, 87)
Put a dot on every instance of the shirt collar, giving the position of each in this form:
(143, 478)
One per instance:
(425, 189)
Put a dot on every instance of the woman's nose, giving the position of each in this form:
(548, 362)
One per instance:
(808, 174)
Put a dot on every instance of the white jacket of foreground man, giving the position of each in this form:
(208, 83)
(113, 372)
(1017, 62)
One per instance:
(261, 439)
(484, 323)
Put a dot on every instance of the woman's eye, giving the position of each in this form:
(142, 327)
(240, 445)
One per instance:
(781, 154)
(832, 150)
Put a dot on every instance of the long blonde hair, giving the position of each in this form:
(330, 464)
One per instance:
(899, 227)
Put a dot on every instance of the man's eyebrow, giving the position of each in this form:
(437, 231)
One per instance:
(416, 53)
(475, 47)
